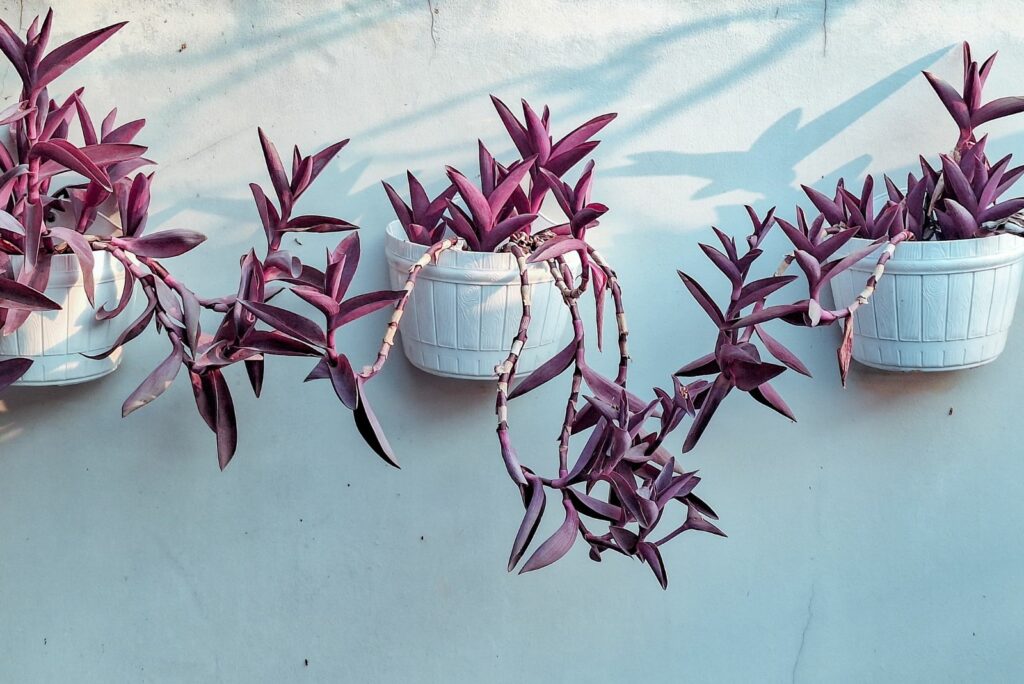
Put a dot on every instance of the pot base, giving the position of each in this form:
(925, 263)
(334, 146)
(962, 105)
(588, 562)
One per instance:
(928, 357)
(52, 371)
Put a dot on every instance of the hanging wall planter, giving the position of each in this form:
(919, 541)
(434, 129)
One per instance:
(954, 257)
(58, 341)
(943, 305)
(67, 245)
(466, 307)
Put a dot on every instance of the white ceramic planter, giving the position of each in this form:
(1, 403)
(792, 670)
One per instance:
(465, 310)
(56, 340)
(941, 305)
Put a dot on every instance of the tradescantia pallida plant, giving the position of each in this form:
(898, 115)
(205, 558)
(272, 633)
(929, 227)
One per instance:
(252, 329)
(624, 479)
(956, 199)
(108, 212)
(622, 491)
(510, 196)
(40, 217)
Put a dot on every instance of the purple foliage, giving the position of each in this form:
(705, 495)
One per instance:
(251, 329)
(42, 214)
(509, 196)
(960, 200)
(624, 479)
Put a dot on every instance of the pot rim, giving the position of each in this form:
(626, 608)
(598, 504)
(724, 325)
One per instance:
(943, 256)
(399, 248)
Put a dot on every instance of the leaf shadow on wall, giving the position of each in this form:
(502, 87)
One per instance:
(768, 167)
(602, 84)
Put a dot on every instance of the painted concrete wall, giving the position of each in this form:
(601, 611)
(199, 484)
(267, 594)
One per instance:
(876, 540)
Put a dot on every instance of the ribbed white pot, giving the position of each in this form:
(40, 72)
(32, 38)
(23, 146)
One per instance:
(941, 305)
(56, 340)
(465, 310)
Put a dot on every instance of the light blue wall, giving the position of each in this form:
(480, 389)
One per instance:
(876, 540)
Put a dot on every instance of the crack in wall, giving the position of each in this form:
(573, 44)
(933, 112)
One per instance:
(803, 634)
(433, 32)
(824, 29)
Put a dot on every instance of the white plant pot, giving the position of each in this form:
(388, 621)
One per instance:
(465, 310)
(940, 305)
(56, 340)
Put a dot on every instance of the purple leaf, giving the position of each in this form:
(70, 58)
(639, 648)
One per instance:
(998, 212)
(202, 389)
(556, 247)
(506, 229)
(595, 508)
(14, 49)
(551, 368)
(960, 222)
(69, 156)
(15, 295)
(582, 133)
(780, 352)
(650, 553)
(758, 290)
(959, 184)
(475, 200)
(11, 370)
(768, 314)
(767, 395)
(165, 244)
(845, 351)
(512, 125)
(364, 304)
(322, 158)
(157, 381)
(287, 322)
(715, 395)
(254, 369)
(626, 540)
(704, 299)
(321, 371)
(83, 252)
(723, 263)
(705, 365)
(401, 209)
(951, 99)
(460, 225)
(996, 109)
(531, 519)
(558, 544)
(342, 267)
(609, 391)
(369, 427)
(833, 214)
(343, 378)
(132, 331)
(225, 425)
(124, 133)
(125, 299)
(70, 53)
(497, 199)
(279, 344)
(276, 170)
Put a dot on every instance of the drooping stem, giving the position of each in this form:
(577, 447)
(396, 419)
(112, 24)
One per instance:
(429, 256)
(620, 313)
(872, 283)
(507, 368)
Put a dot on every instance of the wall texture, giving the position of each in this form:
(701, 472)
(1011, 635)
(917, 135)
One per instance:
(876, 540)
